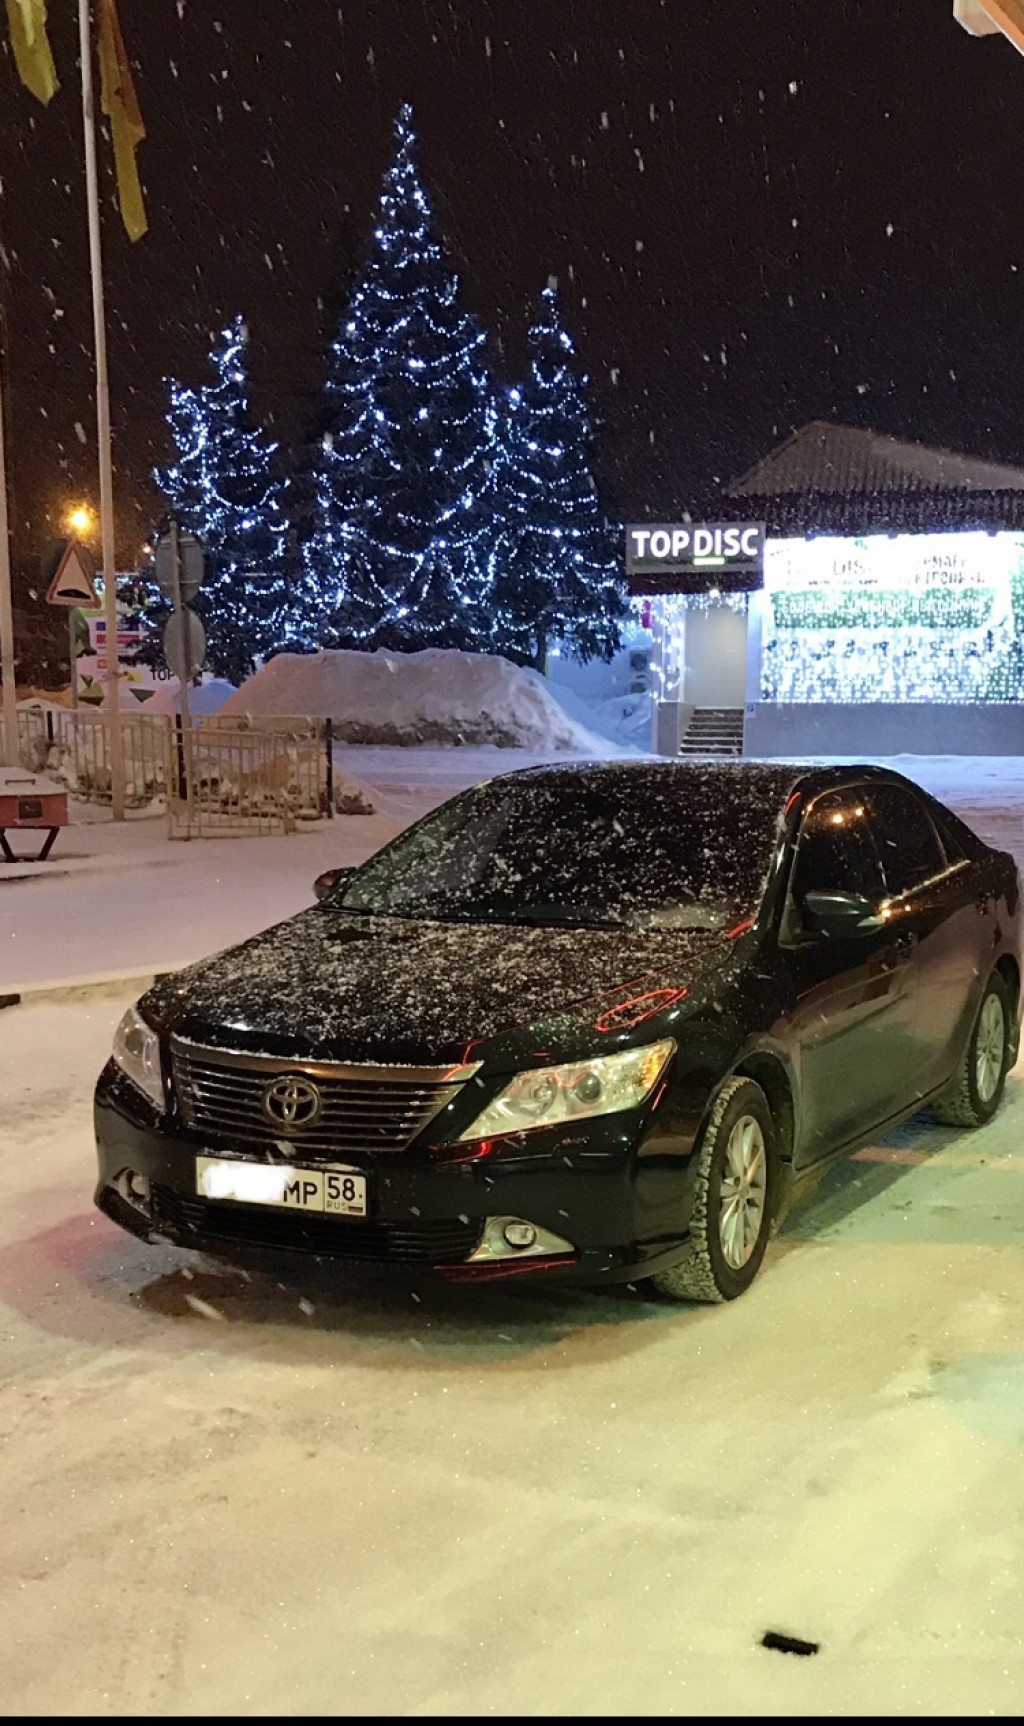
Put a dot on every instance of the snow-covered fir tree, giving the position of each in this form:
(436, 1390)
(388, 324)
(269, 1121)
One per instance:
(559, 567)
(401, 553)
(227, 486)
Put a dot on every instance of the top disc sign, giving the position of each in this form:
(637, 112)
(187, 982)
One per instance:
(190, 563)
(687, 557)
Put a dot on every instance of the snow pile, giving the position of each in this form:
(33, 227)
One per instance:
(210, 697)
(437, 696)
(623, 719)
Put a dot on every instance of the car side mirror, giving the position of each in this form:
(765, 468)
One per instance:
(836, 914)
(330, 879)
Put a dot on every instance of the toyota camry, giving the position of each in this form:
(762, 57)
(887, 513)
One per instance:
(588, 1022)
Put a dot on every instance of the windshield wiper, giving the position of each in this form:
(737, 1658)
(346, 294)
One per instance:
(539, 917)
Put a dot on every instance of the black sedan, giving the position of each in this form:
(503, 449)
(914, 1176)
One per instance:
(590, 1023)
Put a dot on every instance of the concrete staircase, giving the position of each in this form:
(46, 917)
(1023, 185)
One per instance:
(714, 731)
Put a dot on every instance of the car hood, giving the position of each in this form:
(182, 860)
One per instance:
(331, 986)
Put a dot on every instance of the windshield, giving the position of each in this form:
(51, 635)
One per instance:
(610, 850)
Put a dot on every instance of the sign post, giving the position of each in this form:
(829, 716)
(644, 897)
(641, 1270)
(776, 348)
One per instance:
(179, 568)
(186, 717)
(74, 586)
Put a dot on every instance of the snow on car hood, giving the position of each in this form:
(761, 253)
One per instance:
(333, 986)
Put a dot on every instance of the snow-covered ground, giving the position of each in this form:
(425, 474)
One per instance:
(340, 1492)
(309, 1492)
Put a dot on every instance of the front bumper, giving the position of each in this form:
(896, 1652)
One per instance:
(583, 1192)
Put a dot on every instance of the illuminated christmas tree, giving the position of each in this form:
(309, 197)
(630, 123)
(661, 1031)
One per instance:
(560, 572)
(226, 486)
(401, 552)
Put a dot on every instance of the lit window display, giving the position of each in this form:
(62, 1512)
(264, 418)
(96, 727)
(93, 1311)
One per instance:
(933, 617)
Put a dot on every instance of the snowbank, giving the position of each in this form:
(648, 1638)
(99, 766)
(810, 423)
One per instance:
(623, 719)
(210, 697)
(436, 696)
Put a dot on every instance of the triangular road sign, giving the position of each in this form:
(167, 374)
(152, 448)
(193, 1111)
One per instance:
(74, 582)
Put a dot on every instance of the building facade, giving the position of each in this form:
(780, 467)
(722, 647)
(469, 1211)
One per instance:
(888, 615)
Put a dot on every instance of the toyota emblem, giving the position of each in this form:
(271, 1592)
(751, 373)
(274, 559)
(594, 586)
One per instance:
(291, 1102)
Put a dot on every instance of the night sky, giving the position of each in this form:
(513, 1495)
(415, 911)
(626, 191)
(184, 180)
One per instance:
(758, 214)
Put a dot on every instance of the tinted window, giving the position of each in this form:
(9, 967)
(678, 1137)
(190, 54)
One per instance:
(686, 849)
(837, 850)
(958, 841)
(907, 840)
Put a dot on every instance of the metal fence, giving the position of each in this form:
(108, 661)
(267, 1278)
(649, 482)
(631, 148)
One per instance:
(222, 778)
(75, 748)
(241, 778)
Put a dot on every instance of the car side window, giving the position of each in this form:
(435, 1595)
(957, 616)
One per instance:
(909, 846)
(836, 850)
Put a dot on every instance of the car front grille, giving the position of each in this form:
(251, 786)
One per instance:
(364, 1111)
(433, 1243)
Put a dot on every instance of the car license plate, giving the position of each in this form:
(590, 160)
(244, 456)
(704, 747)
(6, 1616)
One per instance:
(334, 1192)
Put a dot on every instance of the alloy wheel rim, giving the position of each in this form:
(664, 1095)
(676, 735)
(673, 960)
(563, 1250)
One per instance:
(743, 1192)
(989, 1048)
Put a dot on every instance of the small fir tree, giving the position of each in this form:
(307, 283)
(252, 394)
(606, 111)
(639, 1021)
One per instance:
(401, 553)
(226, 485)
(560, 570)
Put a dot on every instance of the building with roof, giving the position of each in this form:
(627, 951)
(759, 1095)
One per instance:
(887, 615)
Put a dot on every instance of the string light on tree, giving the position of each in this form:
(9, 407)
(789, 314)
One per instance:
(226, 486)
(402, 551)
(558, 559)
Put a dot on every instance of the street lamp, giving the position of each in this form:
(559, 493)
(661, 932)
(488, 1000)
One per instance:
(80, 520)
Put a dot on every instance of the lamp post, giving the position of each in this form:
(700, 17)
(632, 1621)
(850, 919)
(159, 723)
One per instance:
(10, 707)
(113, 696)
(80, 521)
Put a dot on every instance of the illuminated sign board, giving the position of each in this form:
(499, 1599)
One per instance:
(927, 617)
(691, 557)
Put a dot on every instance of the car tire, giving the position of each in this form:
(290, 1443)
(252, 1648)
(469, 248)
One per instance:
(975, 1094)
(731, 1218)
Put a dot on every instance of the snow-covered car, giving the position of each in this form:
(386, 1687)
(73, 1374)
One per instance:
(589, 1023)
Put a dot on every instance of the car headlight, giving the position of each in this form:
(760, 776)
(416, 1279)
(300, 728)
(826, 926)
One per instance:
(548, 1095)
(137, 1053)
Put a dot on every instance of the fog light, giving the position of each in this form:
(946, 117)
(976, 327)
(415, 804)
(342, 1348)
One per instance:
(134, 1189)
(519, 1234)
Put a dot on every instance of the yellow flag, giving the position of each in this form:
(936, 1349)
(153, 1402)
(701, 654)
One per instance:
(121, 106)
(31, 47)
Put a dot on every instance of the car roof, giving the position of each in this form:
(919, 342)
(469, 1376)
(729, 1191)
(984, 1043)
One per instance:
(774, 778)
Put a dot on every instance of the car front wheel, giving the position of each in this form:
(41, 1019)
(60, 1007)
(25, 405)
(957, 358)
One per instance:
(975, 1093)
(732, 1203)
